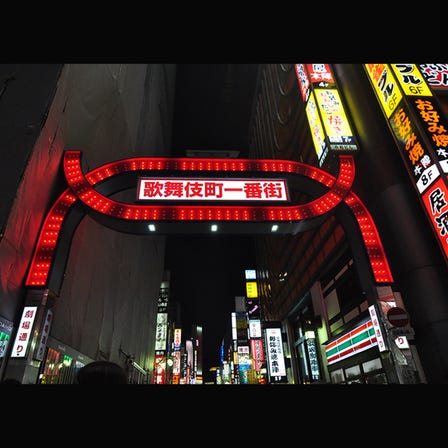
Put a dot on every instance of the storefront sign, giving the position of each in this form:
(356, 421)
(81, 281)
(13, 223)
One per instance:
(377, 327)
(435, 127)
(436, 205)
(19, 349)
(161, 331)
(251, 290)
(359, 339)
(316, 127)
(329, 125)
(421, 163)
(385, 86)
(257, 352)
(274, 349)
(411, 80)
(436, 75)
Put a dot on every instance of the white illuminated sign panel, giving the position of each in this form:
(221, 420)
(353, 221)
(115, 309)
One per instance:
(176, 189)
(161, 331)
(254, 328)
(377, 328)
(250, 274)
(274, 349)
(24, 332)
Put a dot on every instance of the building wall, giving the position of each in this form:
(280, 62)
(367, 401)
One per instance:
(280, 130)
(107, 302)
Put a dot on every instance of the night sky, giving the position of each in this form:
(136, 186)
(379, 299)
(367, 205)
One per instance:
(207, 272)
(213, 104)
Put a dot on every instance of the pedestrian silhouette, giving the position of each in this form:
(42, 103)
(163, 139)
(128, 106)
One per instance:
(101, 372)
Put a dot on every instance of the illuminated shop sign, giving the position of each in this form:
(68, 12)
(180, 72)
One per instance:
(251, 290)
(257, 351)
(329, 125)
(411, 80)
(19, 349)
(250, 274)
(355, 341)
(161, 331)
(212, 189)
(304, 81)
(420, 162)
(435, 127)
(316, 127)
(337, 127)
(420, 130)
(254, 328)
(160, 369)
(320, 75)
(274, 349)
(312, 357)
(435, 201)
(436, 75)
(385, 86)
(177, 338)
(377, 328)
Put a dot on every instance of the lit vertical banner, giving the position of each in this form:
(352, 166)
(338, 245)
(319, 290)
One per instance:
(385, 86)
(20, 346)
(274, 350)
(317, 129)
(329, 124)
(161, 331)
(420, 131)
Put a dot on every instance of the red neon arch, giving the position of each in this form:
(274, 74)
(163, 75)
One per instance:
(81, 187)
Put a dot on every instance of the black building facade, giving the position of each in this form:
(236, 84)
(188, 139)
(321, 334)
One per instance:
(312, 282)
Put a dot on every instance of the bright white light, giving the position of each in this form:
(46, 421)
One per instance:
(151, 227)
(214, 228)
(274, 228)
(309, 334)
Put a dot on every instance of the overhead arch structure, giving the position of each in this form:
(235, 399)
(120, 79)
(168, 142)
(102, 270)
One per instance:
(91, 193)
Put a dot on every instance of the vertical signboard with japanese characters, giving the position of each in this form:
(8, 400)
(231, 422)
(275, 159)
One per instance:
(45, 332)
(274, 350)
(20, 347)
(420, 131)
(329, 124)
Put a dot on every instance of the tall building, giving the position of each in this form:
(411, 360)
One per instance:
(103, 288)
(322, 281)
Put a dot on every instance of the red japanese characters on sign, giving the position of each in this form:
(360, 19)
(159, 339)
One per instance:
(436, 75)
(212, 189)
(435, 200)
(304, 81)
(377, 328)
(19, 349)
(257, 351)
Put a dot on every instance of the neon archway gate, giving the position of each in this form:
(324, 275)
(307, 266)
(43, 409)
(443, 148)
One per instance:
(90, 194)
